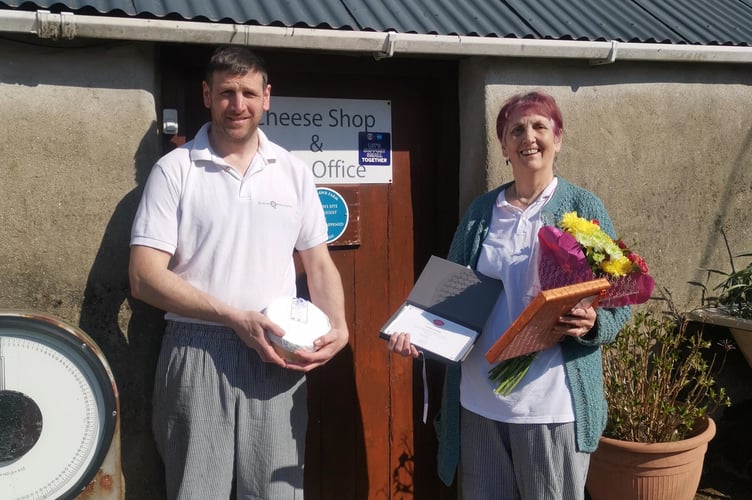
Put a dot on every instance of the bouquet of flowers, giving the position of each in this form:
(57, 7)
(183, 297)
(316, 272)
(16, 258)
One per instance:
(573, 251)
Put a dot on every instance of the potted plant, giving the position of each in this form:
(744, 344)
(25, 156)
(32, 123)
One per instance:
(660, 390)
(732, 306)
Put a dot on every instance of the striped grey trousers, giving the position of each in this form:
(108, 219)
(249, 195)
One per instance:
(225, 421)
(500, 461)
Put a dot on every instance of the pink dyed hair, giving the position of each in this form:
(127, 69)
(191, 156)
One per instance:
(535, 102)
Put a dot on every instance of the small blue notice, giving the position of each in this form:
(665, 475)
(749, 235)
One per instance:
(375, 148)
(336, 212)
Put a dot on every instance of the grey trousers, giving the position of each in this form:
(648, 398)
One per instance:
(500, 461)
(224, 420)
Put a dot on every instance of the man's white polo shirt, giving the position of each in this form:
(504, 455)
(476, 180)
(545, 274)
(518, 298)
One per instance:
(231, 236)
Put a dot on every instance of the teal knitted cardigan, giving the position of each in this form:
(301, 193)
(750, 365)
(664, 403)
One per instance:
(582, 356)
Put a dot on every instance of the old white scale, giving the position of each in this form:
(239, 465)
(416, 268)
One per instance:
(59, 421)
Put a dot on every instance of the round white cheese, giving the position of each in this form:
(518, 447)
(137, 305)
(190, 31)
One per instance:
(302, 322)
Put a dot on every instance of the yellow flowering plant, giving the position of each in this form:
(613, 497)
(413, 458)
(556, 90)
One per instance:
(578, 249)
(604, 255)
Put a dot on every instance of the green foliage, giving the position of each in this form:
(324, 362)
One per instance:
(657, 381)
(735, 290)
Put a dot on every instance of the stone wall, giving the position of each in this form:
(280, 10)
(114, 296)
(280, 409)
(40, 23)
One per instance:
(78, 139)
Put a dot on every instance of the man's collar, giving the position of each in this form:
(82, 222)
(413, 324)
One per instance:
(202, 150)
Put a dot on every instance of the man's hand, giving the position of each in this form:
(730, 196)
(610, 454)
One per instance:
(251, 327)
(325, 347)
(325, 286)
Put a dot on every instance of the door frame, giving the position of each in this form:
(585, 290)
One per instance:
(366, 438)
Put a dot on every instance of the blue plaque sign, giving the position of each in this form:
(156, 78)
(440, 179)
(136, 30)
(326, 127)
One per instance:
(336, 212)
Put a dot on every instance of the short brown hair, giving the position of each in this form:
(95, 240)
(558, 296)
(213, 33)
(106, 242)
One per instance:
(237, 60)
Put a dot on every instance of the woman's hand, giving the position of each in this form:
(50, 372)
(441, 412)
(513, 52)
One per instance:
(577, 323)
(400, 343)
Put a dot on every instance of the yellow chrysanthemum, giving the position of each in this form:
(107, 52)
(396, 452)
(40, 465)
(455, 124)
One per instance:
(578, 226)
(601, 250)
(617, 267)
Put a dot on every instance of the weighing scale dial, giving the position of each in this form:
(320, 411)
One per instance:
(58, 408)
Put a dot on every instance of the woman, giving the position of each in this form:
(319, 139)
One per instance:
(535, 443)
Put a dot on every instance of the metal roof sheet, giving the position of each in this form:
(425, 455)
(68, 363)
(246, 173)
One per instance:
(596, 20)
(715, 22)
(327, 14)
(703, 22)
(439, 17)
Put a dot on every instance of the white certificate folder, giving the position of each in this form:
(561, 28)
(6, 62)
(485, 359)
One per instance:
(446, 310)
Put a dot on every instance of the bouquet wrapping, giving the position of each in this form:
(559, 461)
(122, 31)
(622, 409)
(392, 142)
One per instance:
(563, 261)
(573, 251)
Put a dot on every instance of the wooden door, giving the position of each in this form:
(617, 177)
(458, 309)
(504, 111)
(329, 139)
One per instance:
(360, 404)
(365, 436)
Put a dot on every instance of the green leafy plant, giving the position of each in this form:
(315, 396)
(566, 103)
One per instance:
(734, 292)
(658, 379)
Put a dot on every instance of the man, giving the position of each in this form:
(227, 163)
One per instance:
(212, 244)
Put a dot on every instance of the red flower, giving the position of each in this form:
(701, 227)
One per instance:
(638, 261)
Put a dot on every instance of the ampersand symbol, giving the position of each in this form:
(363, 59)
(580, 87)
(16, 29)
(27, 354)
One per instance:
(316, 144)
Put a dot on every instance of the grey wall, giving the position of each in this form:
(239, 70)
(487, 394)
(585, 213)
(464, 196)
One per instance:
(77, 123)
(666, 146)
(77, 140)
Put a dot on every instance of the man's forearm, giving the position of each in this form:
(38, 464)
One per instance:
(325, 285)
(327, 294)
(152, 282)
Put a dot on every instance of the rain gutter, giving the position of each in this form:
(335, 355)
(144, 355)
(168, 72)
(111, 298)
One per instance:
(379, 44)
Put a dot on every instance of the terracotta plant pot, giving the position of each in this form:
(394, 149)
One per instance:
(623, 470)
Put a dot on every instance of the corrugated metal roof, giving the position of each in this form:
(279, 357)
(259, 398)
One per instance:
(440, 17)
(325, 14)
(707, 22)
(703, 22)
(595, 20)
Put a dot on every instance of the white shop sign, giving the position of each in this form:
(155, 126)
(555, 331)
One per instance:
(345, 141)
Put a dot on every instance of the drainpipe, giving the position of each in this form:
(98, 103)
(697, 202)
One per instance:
(380, 45)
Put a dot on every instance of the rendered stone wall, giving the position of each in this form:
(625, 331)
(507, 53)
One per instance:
(77, 138)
